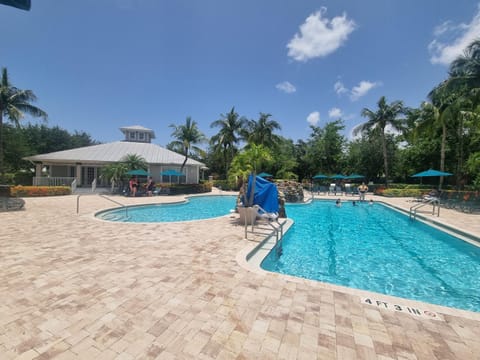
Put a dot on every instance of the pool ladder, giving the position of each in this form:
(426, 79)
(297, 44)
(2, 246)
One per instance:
(269, 220)
(435, 206)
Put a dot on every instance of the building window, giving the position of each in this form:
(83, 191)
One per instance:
(141, 136)
(132, 135)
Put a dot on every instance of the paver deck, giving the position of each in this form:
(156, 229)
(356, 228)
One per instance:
(74, 287)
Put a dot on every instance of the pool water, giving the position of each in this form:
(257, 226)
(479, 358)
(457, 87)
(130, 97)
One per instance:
(195, 208)
(375, 248)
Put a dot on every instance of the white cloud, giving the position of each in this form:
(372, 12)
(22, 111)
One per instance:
(286, 87)
(313, 118)
(335, 113)
(340, 88)
(362, 89)
(319, 36)
(455, 38)
(357, 91)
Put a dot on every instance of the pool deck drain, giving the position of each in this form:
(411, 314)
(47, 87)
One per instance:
(77, 288)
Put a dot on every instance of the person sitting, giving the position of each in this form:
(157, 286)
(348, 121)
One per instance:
(431, 195)
(150, 186)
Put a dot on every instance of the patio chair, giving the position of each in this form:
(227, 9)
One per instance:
(331, 189)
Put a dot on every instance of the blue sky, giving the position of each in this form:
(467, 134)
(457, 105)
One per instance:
(96, 66)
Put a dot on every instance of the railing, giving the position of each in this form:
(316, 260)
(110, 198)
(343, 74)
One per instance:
(107, 198)
(52, 181)
(435, 205)
(73, 186)
(271, 219)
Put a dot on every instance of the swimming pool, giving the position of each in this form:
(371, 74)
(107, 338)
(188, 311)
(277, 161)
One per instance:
(378, 249)
(194, 208)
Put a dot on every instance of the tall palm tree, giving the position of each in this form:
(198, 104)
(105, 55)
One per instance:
(466, 67)
(385, 115)
(261, 132)
(187, 136)
(134, 162)
(229, 135)
(13, 104)
(443, 110)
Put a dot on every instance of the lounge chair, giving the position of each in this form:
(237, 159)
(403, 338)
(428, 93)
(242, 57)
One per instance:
(332, 189)
(348, 189)
(263, 214)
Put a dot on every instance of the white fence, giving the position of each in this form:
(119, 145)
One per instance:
(52, 181)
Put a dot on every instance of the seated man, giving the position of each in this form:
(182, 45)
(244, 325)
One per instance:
(432, 195)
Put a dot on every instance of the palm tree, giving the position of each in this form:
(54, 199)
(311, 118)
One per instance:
(466, 67)
(13, 104)
(249, 160)
(228, 137)
(115, 173)
(386, 115)
(187, 136)
(134, 162)
(261, 132)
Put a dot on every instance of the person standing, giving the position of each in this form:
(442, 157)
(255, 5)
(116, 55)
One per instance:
(362, 189)
(133, 184)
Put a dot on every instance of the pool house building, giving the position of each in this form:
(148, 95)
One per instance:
(82, 166)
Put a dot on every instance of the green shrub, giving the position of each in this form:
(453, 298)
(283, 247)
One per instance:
(225, 185)
(399, 192)
(177, 189)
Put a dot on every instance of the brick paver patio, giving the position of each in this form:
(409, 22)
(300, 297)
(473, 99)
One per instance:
(74, 287)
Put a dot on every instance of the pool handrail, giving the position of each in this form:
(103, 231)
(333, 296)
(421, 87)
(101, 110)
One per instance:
(435, 202)
(105, 197)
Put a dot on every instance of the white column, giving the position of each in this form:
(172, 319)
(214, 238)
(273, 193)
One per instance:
(38, 169)
(78, 173)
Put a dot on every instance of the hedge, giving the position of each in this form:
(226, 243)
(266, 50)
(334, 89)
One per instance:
(30, 191)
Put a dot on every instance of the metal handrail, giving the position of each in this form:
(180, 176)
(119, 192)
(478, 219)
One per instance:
(434, 202)
(105, 197)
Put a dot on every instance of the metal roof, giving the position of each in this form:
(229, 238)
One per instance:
(114, 152)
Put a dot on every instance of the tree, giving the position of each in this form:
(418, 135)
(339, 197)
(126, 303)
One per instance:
(186, 137)
(324, 152)
(134, 162)
(249, 160)
(466, 67)
(261, 132)
(115, 173)
(229, 135)
(13, 104)
(385, 115)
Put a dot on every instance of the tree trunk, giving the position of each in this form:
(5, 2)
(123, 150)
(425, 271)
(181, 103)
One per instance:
(442, 153)
(385, 156)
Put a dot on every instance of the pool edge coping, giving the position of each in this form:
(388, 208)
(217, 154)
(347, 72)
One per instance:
(250, 258)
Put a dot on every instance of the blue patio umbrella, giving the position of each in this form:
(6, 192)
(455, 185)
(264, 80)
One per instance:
(337, 177)
(432, 173)
(320, 176)
(354, 177)
(138, 172)
(171, 173)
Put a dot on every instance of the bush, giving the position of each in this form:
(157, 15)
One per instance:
(177, 189)
(30, 191)
(225, 185)
(406, 192)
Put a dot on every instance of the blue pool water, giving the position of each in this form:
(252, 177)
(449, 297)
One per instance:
(195, 208)
(378, 249)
